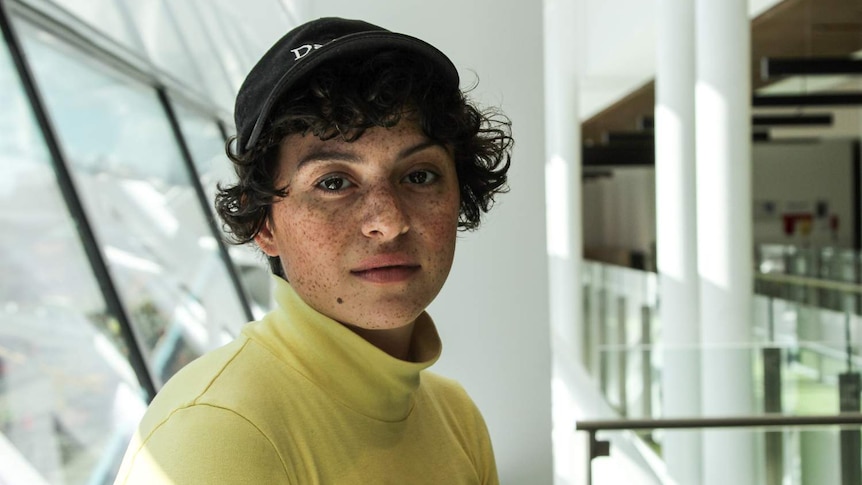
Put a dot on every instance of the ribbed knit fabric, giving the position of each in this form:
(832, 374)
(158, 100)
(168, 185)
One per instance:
(298, 398)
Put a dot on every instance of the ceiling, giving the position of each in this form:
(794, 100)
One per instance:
(792, 28)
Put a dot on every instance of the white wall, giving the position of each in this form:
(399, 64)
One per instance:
(619, 50)
(793, 177)
(493, 311)
(619, 211)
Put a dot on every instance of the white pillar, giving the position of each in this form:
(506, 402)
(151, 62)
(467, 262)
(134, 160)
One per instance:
(676, 233)
(563, 172)
(564, 228)
(724, 232)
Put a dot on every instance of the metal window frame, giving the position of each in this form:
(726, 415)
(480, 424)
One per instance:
(98, 47)
(74, 205)
(188, 159)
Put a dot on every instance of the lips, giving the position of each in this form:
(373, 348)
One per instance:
(389, 274)
(386, 268)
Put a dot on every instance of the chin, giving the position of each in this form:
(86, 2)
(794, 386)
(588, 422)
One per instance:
(388, 321)
(388, 318)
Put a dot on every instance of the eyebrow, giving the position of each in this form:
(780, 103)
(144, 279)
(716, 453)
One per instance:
(419, 147)
(328, 154)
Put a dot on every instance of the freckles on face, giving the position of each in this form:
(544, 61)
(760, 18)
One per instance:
(366, 233)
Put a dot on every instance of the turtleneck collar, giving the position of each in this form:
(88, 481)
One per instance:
(351, 370)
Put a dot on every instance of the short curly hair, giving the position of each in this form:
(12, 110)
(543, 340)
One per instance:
(345, 98)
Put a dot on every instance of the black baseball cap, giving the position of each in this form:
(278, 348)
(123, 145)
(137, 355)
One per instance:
(304, 48)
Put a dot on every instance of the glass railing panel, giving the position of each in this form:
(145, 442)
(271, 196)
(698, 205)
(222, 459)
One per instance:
(803, 359)
(814, 345)
(620, 327)
(790, 376)
(634, 387)
(770, 258)
(825, 339)
(794, 364)
(790, 455)
(807, 378)
(820, 264)
(630, 383)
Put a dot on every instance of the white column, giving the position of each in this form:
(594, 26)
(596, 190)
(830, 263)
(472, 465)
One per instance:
(676, 233)
(724, 232)
(564, 229)
(563, 172)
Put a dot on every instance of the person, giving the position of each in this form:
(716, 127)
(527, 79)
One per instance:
(358, 159)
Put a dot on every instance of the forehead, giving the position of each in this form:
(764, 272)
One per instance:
(374, 143)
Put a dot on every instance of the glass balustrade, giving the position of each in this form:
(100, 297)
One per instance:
(803, 360)
(806, 456)
(619, 335)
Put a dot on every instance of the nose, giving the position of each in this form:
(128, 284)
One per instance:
(385, 215)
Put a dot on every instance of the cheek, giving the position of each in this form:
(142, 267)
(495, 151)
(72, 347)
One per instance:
(311, 239)
(442, 224)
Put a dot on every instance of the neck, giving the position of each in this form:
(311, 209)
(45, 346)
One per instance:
(393, 341)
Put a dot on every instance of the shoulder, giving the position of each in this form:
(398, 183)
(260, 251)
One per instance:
(198, 442)
(438, 385)
(450, 398)
(192, 432)
(231, 378)
(192, 381)
(450, 401)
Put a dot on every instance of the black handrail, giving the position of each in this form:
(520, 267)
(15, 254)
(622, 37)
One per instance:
(763, 421)
(602, 447)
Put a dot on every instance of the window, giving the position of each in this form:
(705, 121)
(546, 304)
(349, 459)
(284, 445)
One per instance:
(138, 193)
(206, 143)
(69, 400)
(106, 16)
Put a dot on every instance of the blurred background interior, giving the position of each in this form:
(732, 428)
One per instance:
(593, 288)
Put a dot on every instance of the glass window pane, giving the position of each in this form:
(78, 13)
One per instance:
(69, 400)
(204, 49)
(205, 141)
(138, 193)
(264, 21)
(165, 46)
(106, 16)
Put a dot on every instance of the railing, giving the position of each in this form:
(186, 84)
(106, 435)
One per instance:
(804, 355)
(619, 330)
(823, 269)
(850, 438)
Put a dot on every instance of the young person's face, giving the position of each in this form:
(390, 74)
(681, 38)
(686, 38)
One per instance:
(366, 233)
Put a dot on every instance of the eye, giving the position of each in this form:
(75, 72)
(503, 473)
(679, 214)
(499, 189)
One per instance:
(334, 183)
(422, 177)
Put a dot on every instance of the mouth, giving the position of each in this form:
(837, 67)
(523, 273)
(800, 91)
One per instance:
(387, 274)
(386, 268)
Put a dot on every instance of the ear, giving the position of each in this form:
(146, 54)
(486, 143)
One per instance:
(265, 239)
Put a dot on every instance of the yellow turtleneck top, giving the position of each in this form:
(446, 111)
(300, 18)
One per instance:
(298, 398)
